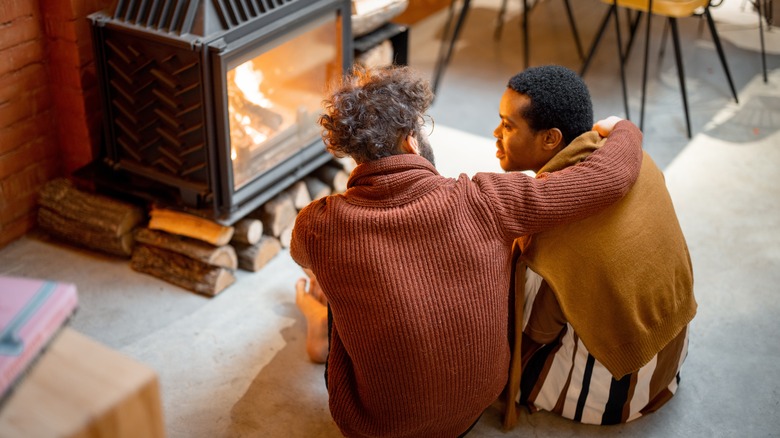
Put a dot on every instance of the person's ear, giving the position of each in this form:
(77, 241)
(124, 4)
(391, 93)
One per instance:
(410, 145)
(552, 139)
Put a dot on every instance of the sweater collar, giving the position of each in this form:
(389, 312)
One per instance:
(576, 151)
(391, 181)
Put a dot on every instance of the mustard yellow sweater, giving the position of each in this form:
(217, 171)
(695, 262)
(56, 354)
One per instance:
(623, 277)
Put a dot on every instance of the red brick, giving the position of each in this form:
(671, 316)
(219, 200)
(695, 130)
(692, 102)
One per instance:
(21, 81)
(75, 162)
(19, 206)
(25, 105)
(62, 9)
(12, 9)
(34, 151)
(29, 180)
(17, 228)
(57, 28)
(21, 55)
(18, 31)
(69, 104)
(61, 75)
(22, 131)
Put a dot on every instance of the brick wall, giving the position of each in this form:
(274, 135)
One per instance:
(49, 103)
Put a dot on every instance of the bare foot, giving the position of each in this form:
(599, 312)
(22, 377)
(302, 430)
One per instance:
(316, 313)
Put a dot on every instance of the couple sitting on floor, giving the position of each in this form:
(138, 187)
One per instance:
(430, 298)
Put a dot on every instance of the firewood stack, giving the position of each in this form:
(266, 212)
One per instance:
(277, 216)
(186, 250)
(89, 220)
(189, 251)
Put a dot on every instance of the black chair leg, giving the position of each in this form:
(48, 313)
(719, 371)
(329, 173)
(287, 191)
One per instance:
(500, 21)
(445, 54)
(622, 62)
(644, 71)
(597, 39)
(633, 26)
(761, 34)
(680, 71)
(526, 46)
(574, 31)
(721, 54)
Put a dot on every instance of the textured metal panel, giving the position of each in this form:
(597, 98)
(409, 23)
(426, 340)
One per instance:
(179, 16)
(157, 107)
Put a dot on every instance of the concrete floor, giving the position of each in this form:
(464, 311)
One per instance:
(234, 365)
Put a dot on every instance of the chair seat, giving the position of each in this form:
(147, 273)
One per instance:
(667, 8)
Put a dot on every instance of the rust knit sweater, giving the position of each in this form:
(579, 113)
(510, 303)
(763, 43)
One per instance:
(416, 270)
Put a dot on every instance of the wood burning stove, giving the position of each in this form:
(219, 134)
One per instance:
(210, 106)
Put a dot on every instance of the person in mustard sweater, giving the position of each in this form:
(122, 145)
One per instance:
(414, 267)
(602, 305)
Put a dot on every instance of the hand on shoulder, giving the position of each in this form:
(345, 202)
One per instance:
(605, 126)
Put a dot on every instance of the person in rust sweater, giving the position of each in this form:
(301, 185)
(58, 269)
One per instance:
(415, 267)
(602, 305)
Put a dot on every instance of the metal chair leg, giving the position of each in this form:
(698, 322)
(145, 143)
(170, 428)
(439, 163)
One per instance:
(621, 60)
(721, 54)
(526, 46)
(761, 34)
(644, 71)
(500, 21)
(597, 39)
(446, 54)
(574, 31)
(680, 71)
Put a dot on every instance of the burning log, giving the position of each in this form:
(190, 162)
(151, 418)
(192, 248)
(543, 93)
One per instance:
(87, 219)
(181, 270)
(253, 257)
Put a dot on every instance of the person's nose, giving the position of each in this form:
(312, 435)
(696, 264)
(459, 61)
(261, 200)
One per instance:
(497, 132)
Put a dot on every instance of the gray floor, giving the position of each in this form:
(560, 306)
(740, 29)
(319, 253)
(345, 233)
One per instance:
(234, 365)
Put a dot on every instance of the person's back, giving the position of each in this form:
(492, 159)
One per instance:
(607, 299)
(415, 266)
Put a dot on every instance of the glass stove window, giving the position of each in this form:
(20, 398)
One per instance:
(274, 98)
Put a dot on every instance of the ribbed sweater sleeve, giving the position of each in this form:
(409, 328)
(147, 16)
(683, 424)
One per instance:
(570, 194)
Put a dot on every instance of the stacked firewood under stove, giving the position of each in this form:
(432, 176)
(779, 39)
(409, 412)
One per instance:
(191, 252)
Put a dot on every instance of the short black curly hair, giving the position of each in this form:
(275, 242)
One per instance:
(371, 110)
(559, 99)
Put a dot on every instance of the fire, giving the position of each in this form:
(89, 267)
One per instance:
(252, 119)
(248, 80)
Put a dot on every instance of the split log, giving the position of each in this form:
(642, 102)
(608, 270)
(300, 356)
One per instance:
(317, 189)
(286, 237)
(181, 270)
(185, 224)
(222, 256)
(247, 231)
(334, 176)
(253, 257)
(87, 219)
(276, 214)
(299, 195)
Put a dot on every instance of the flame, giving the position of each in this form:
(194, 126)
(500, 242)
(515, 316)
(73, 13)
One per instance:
(248, 80)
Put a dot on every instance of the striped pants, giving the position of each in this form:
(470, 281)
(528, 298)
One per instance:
(561, 376)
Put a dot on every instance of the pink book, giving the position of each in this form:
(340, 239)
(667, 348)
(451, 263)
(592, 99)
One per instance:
(31, 314)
